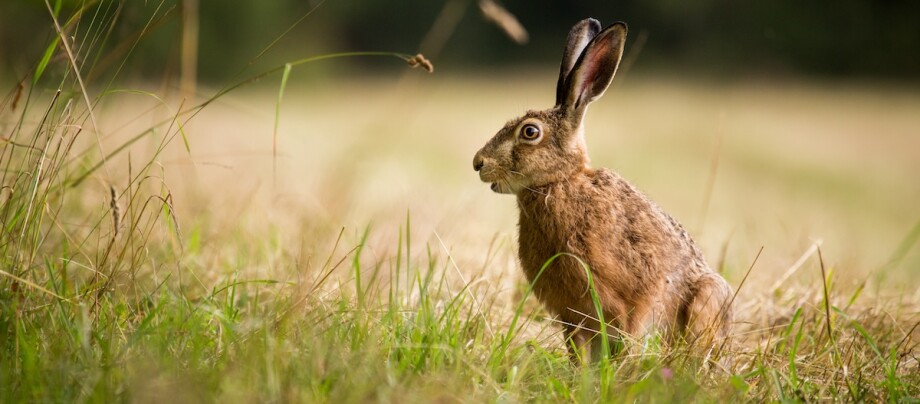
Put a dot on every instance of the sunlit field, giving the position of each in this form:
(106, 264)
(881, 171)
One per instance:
(352, 253)
(318, 234)
(778, 165)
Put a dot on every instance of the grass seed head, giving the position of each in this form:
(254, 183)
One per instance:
(420, 61)
(116, 210)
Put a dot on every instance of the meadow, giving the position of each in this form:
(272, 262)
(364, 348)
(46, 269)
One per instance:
(326, 239)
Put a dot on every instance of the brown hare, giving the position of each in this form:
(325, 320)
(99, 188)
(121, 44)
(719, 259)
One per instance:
(648, 273)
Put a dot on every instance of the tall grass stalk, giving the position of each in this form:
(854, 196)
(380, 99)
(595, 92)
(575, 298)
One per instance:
(105, 297)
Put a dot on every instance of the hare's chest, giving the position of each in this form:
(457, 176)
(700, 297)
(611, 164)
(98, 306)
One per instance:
(553, 253)
(544, 234)
(567, 222)
(558, 279)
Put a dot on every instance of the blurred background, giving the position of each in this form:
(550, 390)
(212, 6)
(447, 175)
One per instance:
(782, 124)
(719, 38)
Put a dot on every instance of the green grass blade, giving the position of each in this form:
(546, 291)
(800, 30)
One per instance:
(356, 264)
(869, 340)
(284, 80)
(903, 248)
(46, 58)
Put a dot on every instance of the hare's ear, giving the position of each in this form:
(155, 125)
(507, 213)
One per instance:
(594, 69)
(579, 36)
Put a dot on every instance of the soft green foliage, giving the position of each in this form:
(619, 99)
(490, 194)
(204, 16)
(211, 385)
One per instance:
(706, 36)
(258, 340)
(122, 298)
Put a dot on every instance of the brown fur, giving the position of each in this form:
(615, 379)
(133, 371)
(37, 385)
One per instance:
(648, 273)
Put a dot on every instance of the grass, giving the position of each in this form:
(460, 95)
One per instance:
(291, 245)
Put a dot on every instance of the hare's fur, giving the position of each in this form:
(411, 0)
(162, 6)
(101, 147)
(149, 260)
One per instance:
(648, 273)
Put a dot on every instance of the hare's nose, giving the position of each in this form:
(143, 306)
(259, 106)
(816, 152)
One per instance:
(478, 163)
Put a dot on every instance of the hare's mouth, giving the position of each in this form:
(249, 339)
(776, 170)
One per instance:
(498, 181)
(502, 187)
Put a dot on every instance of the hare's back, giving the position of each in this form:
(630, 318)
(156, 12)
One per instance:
(640, 225)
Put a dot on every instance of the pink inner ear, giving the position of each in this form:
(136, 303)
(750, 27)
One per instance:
(591, 66)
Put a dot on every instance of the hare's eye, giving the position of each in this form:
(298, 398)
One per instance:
(530, 132)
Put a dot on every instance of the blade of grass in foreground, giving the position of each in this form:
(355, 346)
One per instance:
(284, 79)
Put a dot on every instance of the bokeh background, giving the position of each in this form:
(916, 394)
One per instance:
(779, 125)
(720, 38)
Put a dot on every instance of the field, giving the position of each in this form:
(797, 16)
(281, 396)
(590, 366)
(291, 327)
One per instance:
(334, 243)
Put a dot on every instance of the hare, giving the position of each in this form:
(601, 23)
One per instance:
(648, 273)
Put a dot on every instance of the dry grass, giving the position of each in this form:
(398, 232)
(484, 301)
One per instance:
(356, 257)
(800, 165)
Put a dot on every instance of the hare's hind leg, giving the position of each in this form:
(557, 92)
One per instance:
(587, 346)
(578, 340)
(709, 314)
